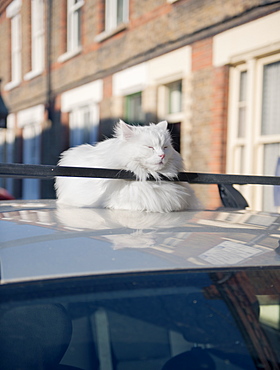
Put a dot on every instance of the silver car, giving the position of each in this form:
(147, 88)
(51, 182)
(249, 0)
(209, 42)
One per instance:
(103, 289)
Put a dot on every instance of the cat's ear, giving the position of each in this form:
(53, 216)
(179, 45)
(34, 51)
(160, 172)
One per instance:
(162, 125)
(123, 130)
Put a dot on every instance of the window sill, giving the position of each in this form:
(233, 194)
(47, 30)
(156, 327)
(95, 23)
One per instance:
(32, 74)
(68, 55)
(11, 85)
(107, 34)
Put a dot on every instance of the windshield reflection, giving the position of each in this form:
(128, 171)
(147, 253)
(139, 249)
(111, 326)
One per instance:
(156, 321)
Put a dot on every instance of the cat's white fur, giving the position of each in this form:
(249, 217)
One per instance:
(143, 150)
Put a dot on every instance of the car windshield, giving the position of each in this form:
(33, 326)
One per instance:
(222, 319)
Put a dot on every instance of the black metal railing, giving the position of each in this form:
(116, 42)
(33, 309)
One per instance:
(14, 170)
(230, 197)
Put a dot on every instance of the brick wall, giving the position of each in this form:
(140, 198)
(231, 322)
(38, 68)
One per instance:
(155, 28)
(203, 151)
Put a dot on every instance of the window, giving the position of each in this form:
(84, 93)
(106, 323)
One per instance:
(37, 38)
(83, 121)
(151, 321)
(241, 112)
(174, 91)
(2, 153)
(74, 24)
(170, 107)
(270, 129)
(13, 12)
(133, 108)
(31, 155)
(7, 138)
(170, 101)
(30, 121)
(254, 126)
(116, 13)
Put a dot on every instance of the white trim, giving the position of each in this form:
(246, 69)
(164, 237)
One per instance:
(106, 34)
(130, 80)
(16, 46)
(32, 74)
(167, 68)
(111, 14)
(73, 24)
(254, 141)
(31, 115)
(69, 54)
(37, 37)
(250, 36)
(88, 93)
(11, 121)
(171, 66)
(14, 8)
(11, 85)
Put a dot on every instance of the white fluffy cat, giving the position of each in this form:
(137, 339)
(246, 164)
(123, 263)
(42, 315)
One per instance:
(143, 150)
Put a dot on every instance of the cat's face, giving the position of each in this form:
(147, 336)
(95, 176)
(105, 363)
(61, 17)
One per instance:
(150, 145)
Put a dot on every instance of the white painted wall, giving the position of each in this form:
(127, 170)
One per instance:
(248, 37)
(91, 92)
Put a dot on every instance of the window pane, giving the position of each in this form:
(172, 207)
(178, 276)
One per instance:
(270, 193)
(175, 97)
(77, 28)
(31, 155)
(271, 99)
(243, 86)
(239, 159)
(83, 126)
(120, 11)
(37, 35)
(74, 25)
(241, 121)
(16, 46)
(242, 105)
(134, 113)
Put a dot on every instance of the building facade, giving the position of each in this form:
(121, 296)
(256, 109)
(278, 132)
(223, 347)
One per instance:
(71, 68)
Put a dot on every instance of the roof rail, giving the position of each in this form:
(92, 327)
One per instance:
(230, 196)
(17, 170)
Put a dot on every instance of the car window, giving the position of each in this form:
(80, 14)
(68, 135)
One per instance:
(223, 320)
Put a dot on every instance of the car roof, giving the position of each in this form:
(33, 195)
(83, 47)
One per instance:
(42, 241)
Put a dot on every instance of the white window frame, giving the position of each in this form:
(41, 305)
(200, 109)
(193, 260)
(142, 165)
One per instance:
(163, 110)
(75, 101)
(74, 46)
(78, 125)
(37, 39)
(253, 141)
(73, 24)
(13, 12)
(111, 14)
(129, 114)
(112, 24)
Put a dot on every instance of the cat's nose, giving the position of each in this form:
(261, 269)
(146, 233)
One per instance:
(162, 156)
